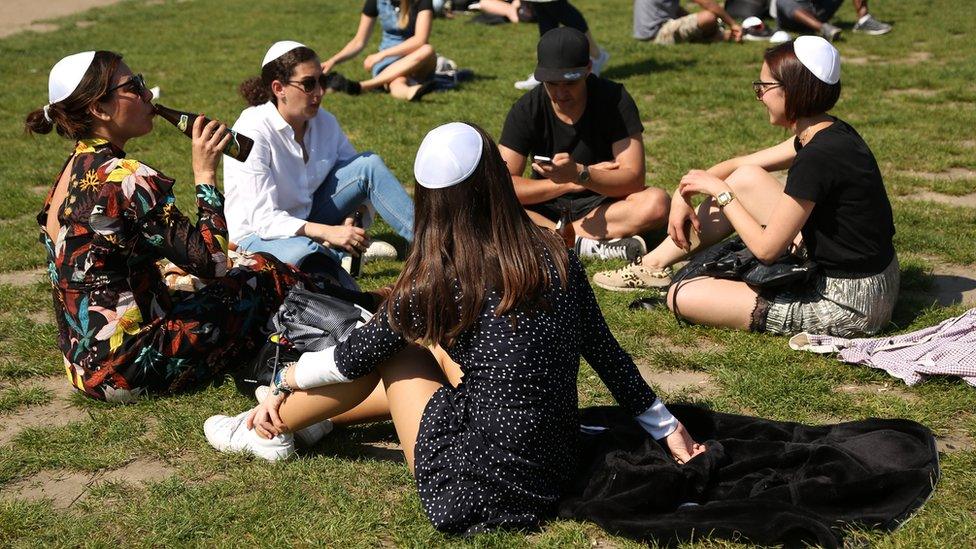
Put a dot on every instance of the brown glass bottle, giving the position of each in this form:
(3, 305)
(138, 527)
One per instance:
(237, 148)
(356, 266)
(565, 228)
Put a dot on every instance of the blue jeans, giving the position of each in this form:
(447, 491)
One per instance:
(362, 177)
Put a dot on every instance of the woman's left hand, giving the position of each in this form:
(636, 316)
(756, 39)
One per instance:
(371, 60)
(701, 182)
(682, 446)
(264, 417)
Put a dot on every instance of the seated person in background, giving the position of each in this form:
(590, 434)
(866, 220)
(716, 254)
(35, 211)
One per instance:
(295, 194)
(591, 130)
(813, 15)
(666, 22)
(834, 198)
(405, 59)
(508, 10)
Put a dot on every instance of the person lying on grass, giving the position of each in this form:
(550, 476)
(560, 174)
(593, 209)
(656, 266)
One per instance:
(514, 309)
(106, 221)
(834, 202)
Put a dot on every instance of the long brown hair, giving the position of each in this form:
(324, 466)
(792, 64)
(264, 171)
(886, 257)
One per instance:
(469, 239)
(71, 116)
(806, 95)
(257, 90)
(404, 19)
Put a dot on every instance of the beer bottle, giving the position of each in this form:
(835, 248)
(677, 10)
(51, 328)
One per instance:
(565, 228)
(356, 266)
(237, 148)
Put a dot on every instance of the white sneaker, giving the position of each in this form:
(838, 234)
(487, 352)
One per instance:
(600, 61)
(231, 435)
(529, 83)
(309, 436)
(379, 250)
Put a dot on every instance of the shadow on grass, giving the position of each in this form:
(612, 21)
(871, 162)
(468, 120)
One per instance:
(646, 66)
(375, 441)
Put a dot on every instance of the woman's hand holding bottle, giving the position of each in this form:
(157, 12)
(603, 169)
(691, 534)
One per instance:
(208, 146)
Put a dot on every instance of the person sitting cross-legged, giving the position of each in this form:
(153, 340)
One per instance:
(590, 130)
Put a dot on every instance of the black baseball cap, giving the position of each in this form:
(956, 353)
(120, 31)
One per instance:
(563, 54)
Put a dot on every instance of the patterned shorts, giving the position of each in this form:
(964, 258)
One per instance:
(682, 29)
(844, 307)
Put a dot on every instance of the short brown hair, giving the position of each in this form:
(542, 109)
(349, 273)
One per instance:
(806, 95)
(71, 116)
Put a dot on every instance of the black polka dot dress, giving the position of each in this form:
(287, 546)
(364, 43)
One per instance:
(498, 450)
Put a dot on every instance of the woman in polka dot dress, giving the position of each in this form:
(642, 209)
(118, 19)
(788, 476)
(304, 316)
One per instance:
(514, 309)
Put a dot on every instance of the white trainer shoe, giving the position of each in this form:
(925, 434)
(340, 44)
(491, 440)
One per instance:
(231, 435)
(529, 83)
(379, 250)
(309, 436)
(600, 62)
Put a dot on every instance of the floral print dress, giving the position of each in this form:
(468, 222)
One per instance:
(123, 333)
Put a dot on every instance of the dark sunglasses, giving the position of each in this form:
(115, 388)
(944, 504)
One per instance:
(761, 88)
(136, 84)
(308, 83)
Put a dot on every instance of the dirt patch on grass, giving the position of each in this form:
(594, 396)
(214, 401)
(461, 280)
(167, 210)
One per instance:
(857, 60)
(951, 284)
(967, 200)
(44, 316)
(64, 488)
(57, 413)
(23, 278)
(955, 440)
(952, 174)
(878, 389)
(680, 381)
(913, 92)
(914, 58)
(968, 144)
(26, 14)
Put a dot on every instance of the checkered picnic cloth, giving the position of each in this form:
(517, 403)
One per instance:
(946, 349)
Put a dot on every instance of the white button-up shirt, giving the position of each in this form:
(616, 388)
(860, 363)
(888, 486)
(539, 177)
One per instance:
(270, 194)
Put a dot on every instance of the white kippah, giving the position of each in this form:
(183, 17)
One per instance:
(66, 75)
(448, 155)
(819, 57)
(280, 48)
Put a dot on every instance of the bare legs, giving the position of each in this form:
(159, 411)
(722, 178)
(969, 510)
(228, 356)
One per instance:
(400, 389)
(415, 65)
(500, 7)
(712, 301)
(757, 191)
(638, 212)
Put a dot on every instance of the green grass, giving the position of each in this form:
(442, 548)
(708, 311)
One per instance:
(698, 108)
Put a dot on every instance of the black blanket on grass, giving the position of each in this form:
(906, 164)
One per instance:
(768, 482)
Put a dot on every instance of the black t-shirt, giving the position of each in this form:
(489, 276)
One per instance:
(849, 232)
(532, 127)
(370, 10)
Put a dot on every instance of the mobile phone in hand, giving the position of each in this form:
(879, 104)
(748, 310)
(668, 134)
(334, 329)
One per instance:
(543, 160)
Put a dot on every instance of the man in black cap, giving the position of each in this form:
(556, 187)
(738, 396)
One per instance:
(583, 135)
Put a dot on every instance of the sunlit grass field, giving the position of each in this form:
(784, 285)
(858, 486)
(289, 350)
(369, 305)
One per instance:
(911, 94)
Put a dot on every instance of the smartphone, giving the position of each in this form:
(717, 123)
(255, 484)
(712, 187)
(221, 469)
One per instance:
(542, 159)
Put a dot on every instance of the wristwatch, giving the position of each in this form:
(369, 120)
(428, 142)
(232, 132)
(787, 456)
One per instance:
(724, 198)
(584, 175)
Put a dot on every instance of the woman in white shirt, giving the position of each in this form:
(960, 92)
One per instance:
(295, 195)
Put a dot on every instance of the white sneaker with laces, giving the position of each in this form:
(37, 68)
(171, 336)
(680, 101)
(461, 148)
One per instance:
(529, 83)
(309, 436)
(230, 435)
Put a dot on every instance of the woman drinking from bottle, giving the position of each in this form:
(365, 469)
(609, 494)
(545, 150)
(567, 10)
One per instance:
(108, 218)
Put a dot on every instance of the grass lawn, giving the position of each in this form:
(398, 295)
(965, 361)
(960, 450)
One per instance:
(911, 94)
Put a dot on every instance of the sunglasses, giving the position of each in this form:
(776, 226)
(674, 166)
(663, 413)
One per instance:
(136, 84)
(761, 88)
(308, 83)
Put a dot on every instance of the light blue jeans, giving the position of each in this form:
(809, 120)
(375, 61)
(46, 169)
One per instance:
(362, 177)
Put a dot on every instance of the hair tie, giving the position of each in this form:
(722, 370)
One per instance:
(47, 113)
